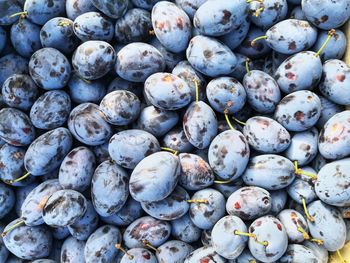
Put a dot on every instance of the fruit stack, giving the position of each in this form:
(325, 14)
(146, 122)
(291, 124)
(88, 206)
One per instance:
(184, 131)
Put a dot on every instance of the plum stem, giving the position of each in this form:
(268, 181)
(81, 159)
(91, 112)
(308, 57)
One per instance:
(342, 260)
(318, 241)
(331, 33)
(22, 14)
(257, 39)
(148, 244)
(169, 150)
(19, 179)
(305, 234)
(19, 223)
(197, 90)
(306, 211)
(299, 171)
(119, 246)
(258, 11)
(251, 235)
(151, 32)
(228, 119)
(197, 201)
(223, 182)
(250, 1)
(238, 121)
(64, 23)
(247, 61)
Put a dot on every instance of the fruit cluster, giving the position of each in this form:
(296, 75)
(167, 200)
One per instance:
(184, 131)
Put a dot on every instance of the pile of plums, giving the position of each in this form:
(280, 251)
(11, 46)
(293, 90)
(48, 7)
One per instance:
(184, 131)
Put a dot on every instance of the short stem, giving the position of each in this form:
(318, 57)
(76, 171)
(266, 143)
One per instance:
(238, 121)
(197, 90)
(64, 23)
(23, 13)
(305, 210)
(148, 244)
(20, 178)
(247, 61)
(223, 182)
(19, 223)
(198, 201)
(151, 32)
(342, 260)
(119, 246)
(251, 235)
(330, 35)
(299, 171)
(305, 234)
(228, 120)
(257, 39)
(169, 150)
(317, 241)
(258, 11)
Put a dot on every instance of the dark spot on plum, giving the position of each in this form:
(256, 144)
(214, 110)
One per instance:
(226, 17)
(292, 45)
(207, 53)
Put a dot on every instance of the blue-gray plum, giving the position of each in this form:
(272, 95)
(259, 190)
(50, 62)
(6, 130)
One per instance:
(12, 64)
(93, 59)
(130, 211)
(171, 26)
(200, 124)
(328, 225)
(333, 142)
(50, 110)
(216, 18)
(226, 94)
(326, 15)
(297, 12)
(75, 8)
(279, 171)
(41, 11)
(332, 185)
(301, 189)
(77, 168)
(268, 229)
(156, 121)
(32, 207)
(25, 37)
(176, 139)
(335, 81)
(87, 124)
(114, 9)
(46, 153)
(298, 253)
(81, 90)
(263, 93)
(7, 200)
(196, 173)
(185, 71)
(328, 110)
(224, 239)
(137, 61)
(127, 148)
(229, 187)
(64, 208)
(15, 127)
(93, 26)
(101, 152)
(266, 135)
(335, 48)
(319, 251)
(19, 91)
(60, 233)
(99, 248)
(49, 68)
(122, 84)
(207, 207)
(210, 57)
(249, 203)
(205, 254)
(183, 229)
(170, 208)
(58, 33)
(227, 162)
(7, 9)
(134, 26)
(300, 36)
(154, 231)
(173, 251)
(302, 71)
(155, 177)
(234, 38)
(21, 195)
(28, 242)
(303, 147)
(120, 107)
(295, 225)
(138, 255)
(72, 251)
(273, 11)
(109, 198)
(167, 91)
(83, 227)
(299, 110)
